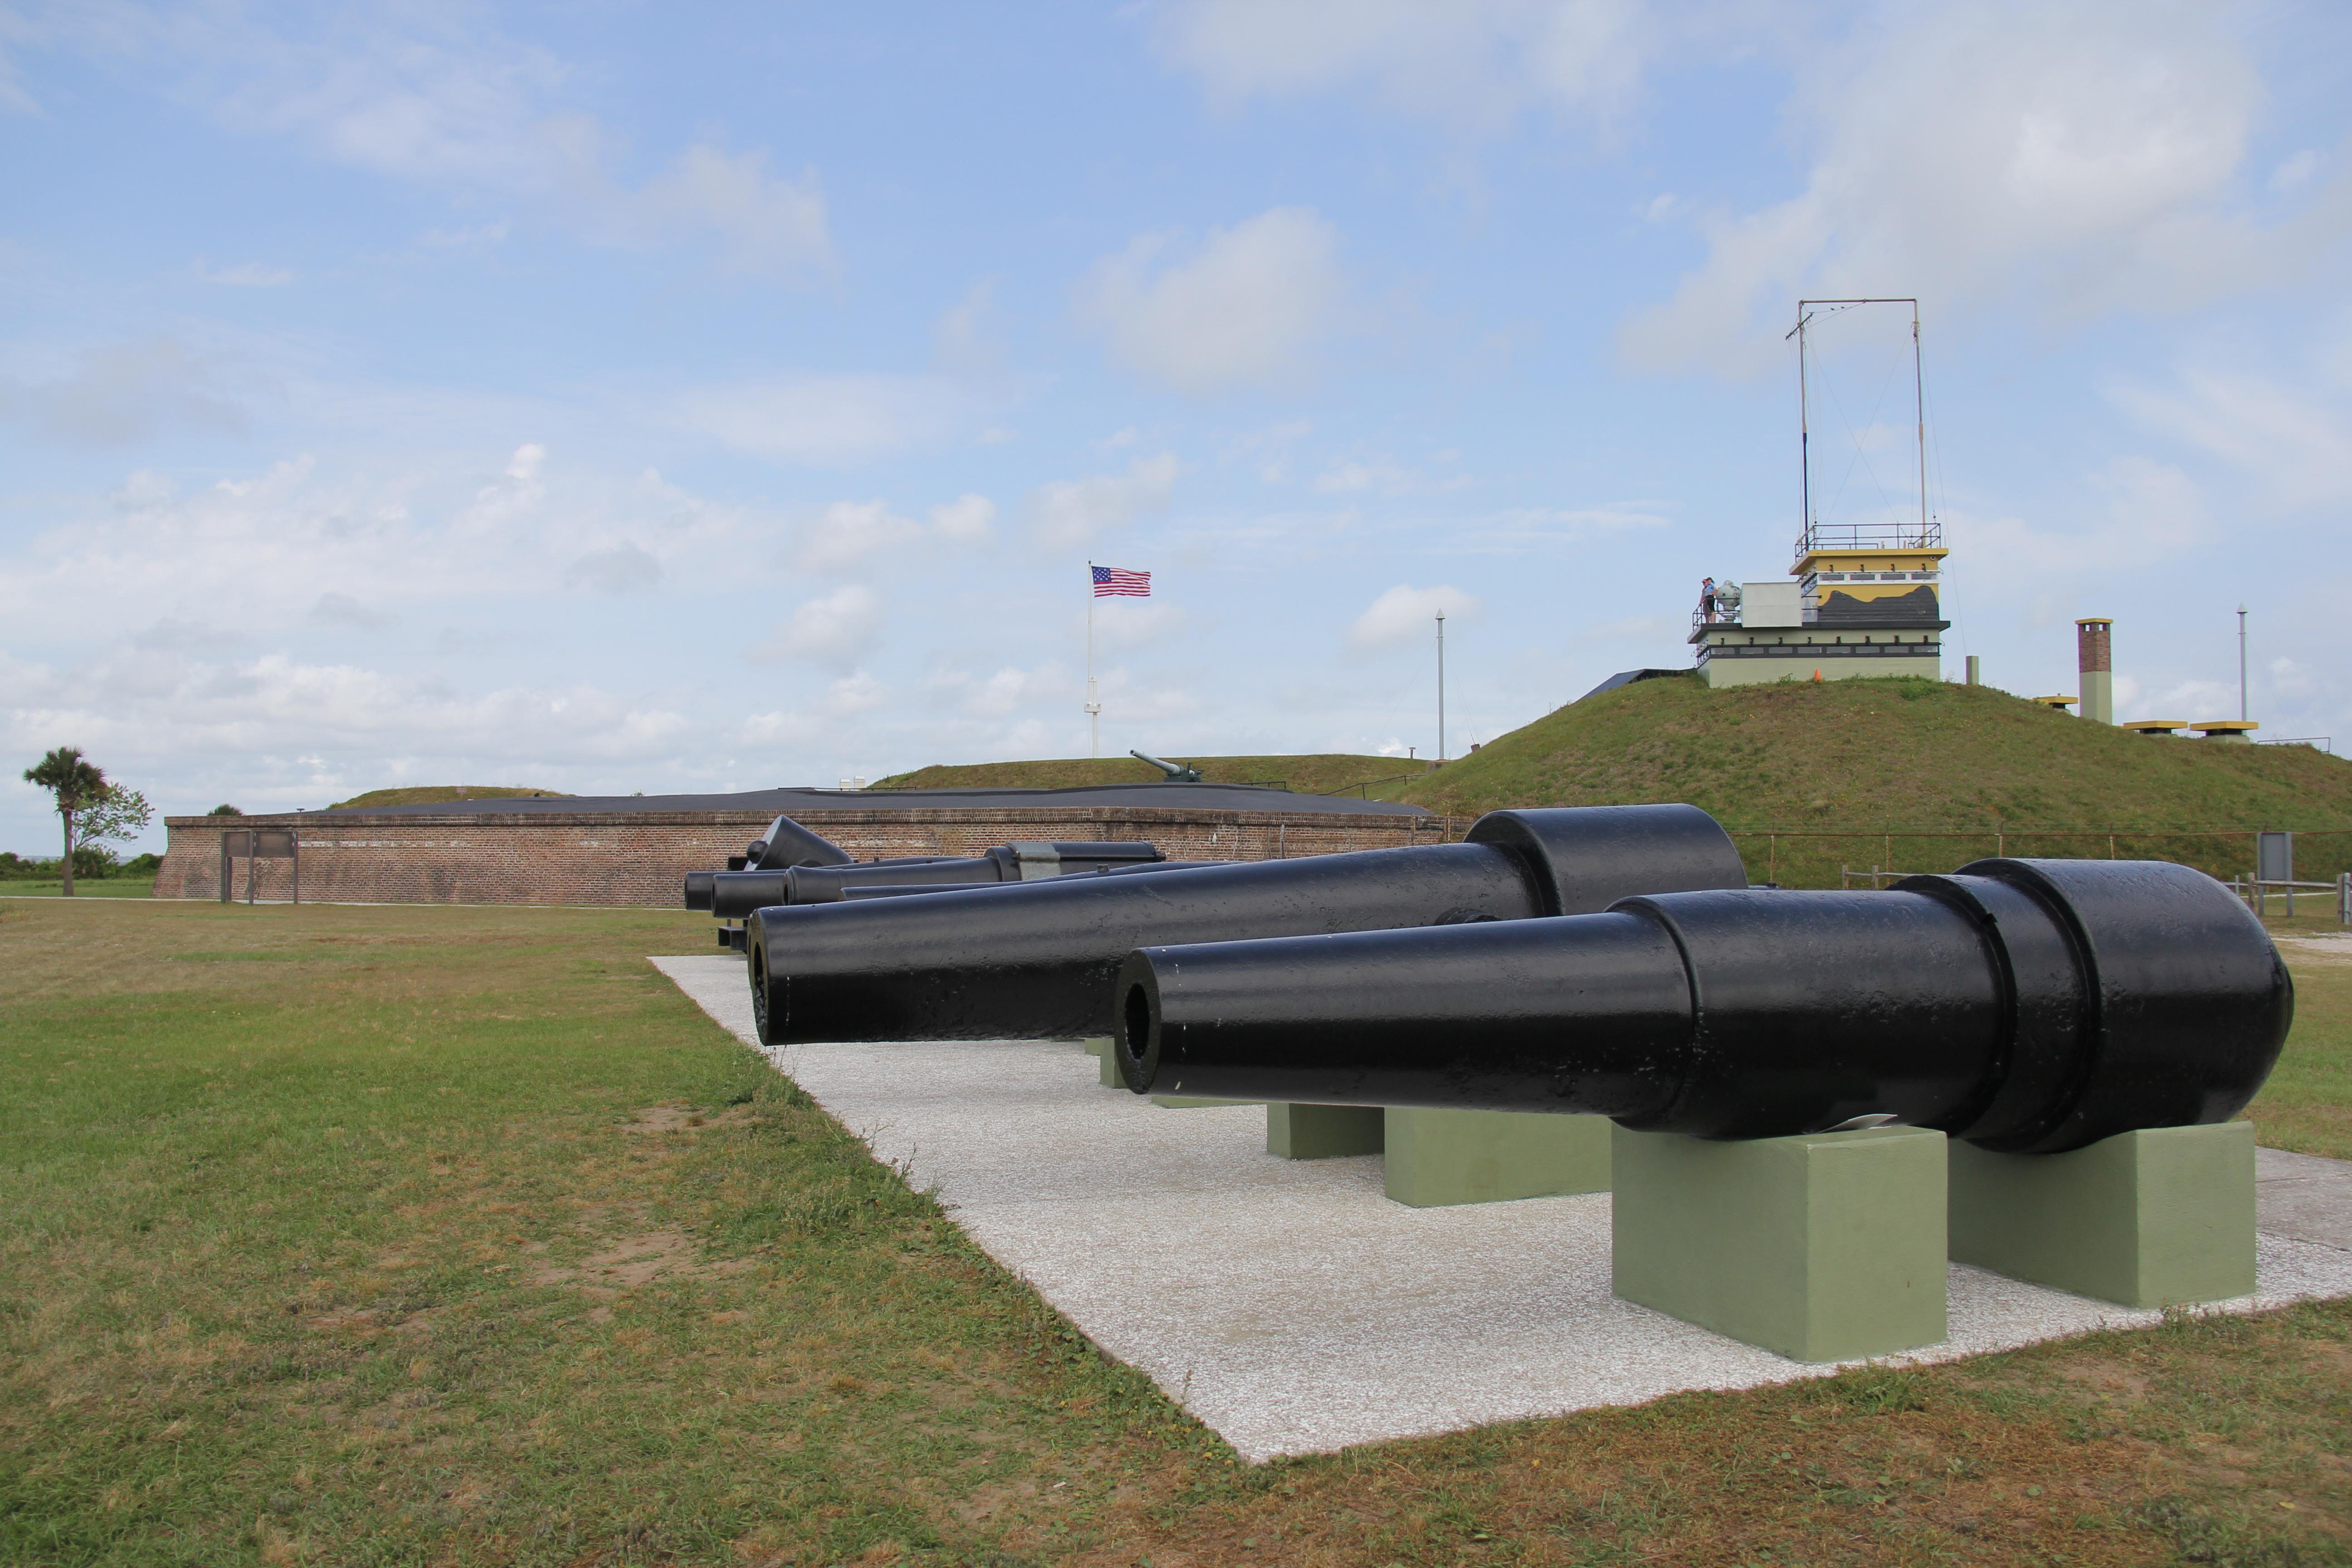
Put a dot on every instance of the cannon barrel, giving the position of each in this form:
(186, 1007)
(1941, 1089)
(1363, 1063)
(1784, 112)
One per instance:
(785, 843)
(749, 889)
(2028, 1006)
(899, 890)
(993, 963)
(735, 894)
(1178, 772)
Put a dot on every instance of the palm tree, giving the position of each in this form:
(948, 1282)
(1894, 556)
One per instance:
(77, 782)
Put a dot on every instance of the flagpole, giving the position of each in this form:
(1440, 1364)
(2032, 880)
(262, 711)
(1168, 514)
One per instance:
(1093, 705)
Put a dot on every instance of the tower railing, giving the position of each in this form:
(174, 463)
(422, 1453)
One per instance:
(1906, 535)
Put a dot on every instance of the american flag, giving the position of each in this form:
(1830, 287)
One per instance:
(1113, 582)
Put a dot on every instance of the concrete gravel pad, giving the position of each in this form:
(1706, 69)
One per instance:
(1289, 1305)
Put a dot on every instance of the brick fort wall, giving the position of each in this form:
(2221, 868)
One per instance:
(641, 858)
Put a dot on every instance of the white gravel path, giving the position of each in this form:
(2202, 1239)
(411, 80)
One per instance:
(1289, 1305)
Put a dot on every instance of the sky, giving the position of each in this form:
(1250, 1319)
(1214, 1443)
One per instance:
(608, 397)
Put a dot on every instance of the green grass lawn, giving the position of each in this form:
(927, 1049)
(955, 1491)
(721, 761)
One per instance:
(457, 1236)
(84, 887)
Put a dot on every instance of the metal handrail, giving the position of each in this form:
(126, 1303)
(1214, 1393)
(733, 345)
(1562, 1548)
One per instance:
(1928, 536)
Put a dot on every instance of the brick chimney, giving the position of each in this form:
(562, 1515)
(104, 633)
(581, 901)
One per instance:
(2097, 661)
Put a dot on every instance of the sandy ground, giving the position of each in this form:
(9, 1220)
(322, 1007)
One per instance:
(1293, 1308)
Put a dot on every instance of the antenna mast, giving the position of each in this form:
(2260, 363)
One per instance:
(1805, 539)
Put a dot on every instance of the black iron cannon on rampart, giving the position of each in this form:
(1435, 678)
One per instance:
(2026, 1006)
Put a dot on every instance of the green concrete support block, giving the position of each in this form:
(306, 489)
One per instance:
(1824, 1248)
(1440, 1157)
(2146, 1218)
(1100, 1049)
(1322, 1132)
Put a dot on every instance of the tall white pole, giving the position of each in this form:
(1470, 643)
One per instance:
(1441, 686)
(1094, 703)
(2242, 661)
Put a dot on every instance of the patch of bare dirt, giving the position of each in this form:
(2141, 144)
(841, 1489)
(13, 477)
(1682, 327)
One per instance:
(683, 1119)
(636, 1260)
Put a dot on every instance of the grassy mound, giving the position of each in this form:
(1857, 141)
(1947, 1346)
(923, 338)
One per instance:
(434, 794)
(1812, 777)
(1327, 773)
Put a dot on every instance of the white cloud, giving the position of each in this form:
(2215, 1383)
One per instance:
(477, 236)
(129, 393)
(2295, 444)
(850, 530)
(1247, 309)
(1071, 513)
(148, 707)
(1474, 65)
(273, 543)
(968, 518)
(968, 338)
(341, 610)
(1354, 476)
(1526, 527)
(623, 568)
(759, 223)
(2155, 513)
(836, 629)
(1406, 614)
(822, 421)
(247, 274)
(2082, 154)
(1002, 692)
(856, 692)
(1124, 624)
(432, 97)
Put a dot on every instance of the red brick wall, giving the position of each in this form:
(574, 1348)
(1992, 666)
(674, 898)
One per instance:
(641, 857)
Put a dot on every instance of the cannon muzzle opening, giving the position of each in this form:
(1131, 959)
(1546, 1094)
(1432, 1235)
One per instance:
(2028, 1006)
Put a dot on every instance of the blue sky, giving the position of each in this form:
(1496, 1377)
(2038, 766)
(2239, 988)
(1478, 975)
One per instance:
(610, 398)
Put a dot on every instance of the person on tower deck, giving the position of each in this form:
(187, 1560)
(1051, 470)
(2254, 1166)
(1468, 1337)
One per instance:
(1707, 599)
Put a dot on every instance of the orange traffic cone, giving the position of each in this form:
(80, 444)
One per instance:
(1817, 675)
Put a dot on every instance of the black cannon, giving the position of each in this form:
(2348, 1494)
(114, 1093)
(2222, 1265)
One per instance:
(997, 963)
(860, 893)
(2028, 1006)
(785, 843)
(1178, 772)
(735, 894)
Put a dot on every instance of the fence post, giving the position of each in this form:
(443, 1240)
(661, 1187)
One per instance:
(2343, 898)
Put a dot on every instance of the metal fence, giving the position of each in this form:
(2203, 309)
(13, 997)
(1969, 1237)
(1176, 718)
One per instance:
(2257, 891)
